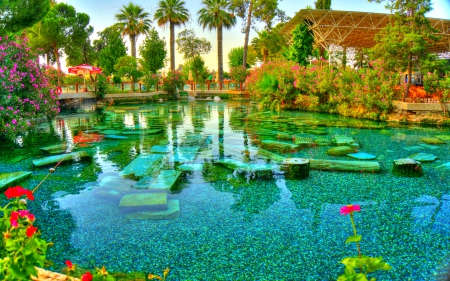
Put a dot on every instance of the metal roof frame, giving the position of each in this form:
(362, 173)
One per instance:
(354, 29)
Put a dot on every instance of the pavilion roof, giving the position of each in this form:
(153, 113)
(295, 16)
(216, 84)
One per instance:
(355, 29)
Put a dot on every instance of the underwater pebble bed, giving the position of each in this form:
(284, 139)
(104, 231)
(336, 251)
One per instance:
(232, 228)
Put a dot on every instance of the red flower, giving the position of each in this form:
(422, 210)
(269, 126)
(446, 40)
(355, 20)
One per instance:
(14, 223)
(18, 191)
(70, 265)
(31, 230)
(86, 277)
(350, 209)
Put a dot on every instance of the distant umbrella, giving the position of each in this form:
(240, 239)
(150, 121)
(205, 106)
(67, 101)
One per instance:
(84, 69)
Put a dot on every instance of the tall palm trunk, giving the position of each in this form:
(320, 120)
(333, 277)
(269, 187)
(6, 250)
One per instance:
(220, 53)
(172, 46)
(247, 34)
(133, 54)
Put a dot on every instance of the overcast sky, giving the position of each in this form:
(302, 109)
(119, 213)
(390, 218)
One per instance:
(102, 14)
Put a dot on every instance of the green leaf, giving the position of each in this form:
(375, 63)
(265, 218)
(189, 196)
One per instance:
(17, 272)
(349, 270)
(110, 278)
(355, 238)
(360, 277)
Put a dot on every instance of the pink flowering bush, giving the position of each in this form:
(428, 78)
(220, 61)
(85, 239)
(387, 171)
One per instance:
(364, 93)
(25, 92)
(273, 84)
(172, 83)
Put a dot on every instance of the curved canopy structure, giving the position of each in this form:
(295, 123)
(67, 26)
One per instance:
(355, 29)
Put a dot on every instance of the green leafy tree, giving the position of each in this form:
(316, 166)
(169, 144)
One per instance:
(128, 67)
(190, 45)
(256, 10)
(16, 15)
(197, 66)
(406, 41)
(323, 4)
(110, 47)
(174, 13)
(236, 57)
(132, 22)
(153, 52)
(215, 15)
(62, 30)
(302, 46)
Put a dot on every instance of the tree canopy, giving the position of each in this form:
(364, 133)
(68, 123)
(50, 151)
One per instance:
(190, 45)
(132, 22)
(110, 47)
(17, 15)
(61, 30)
(153, 52)
(256, 10)
(302, 45)
(404, 43)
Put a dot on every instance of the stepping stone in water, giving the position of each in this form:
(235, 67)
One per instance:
(413, 148)
(443, 137)
(115, 137)
(144, 201)
(322, 142)
(190, 167)
(144, 182)
(345, 166)
(278, 146)
(110, 132)
(431, 140)
(146, 132)
(143, 165)
(164, 181)
(272, 156)
(407, 167)
(73, 156)
(423, 157)
(159, 149)
(58, 147)
(172, 212)
(341, 150)
(444, 166)
(8, 179)
(428, 146)
(316, 132)
(342, 140)
(362, 156)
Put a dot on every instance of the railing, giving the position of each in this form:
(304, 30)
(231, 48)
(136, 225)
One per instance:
(126, 87)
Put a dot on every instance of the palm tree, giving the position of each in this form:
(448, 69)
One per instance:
(133, 21)
(174, 13)
(215, 14)
(268, 43)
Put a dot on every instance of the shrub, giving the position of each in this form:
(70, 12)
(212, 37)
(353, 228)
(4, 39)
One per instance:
(172, 83)
(273, 84)
(25, 93)
(101, 86)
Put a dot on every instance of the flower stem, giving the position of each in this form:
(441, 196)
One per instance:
(355, 233)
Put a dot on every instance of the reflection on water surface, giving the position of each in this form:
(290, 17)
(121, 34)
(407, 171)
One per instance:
(236, 220)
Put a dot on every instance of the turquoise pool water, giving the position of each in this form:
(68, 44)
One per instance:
(235, 224)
